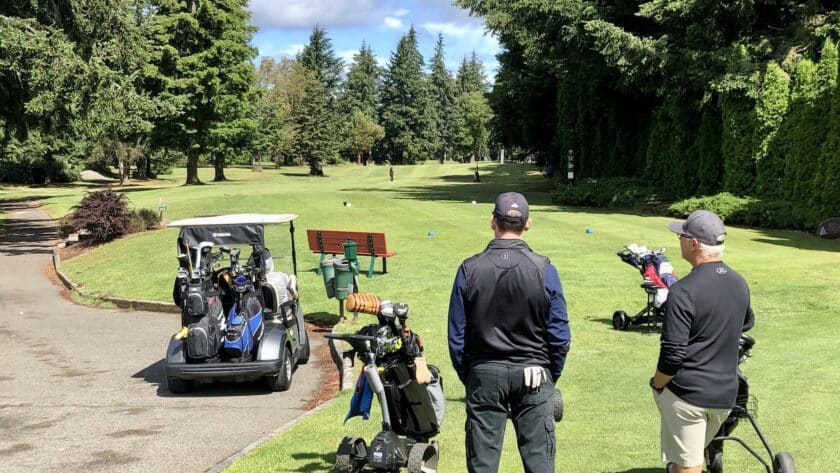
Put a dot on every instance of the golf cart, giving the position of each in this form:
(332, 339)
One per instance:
(241, 320)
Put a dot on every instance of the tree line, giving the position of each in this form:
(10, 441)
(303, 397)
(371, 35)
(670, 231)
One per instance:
(144, 86)
(697, 97)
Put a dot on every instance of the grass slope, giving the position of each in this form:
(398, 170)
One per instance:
(611, 424)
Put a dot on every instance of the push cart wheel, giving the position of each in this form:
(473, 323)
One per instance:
(177, 385)
(351, 454)
(558, 405)
(619, 320)
(716, 463)
(422, 458)
(783, 463)
(283, 379)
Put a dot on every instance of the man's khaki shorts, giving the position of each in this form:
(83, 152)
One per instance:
(686, 429)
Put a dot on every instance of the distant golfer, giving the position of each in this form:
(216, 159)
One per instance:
(508, 339)
(391, 172)
(696, 378)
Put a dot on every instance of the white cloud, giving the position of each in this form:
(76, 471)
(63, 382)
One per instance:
(346, 56)
(467, 37)
(292, 50)
(393, 23)
(306, 13)
(268, 48)
(402, 12)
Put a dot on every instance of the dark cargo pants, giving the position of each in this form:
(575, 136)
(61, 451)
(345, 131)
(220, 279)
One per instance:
(492, 389)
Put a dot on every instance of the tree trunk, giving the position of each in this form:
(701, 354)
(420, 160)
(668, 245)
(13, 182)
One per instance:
(148, 172)
(219, 164)
(192, 168)
(359, 157)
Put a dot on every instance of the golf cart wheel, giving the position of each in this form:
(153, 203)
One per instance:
(716, 463)
(283, 379)
(783, 463)
(177, 385)
(351, 454)
(558, 405)
(305, 349)
(620, 320)
(422, 458)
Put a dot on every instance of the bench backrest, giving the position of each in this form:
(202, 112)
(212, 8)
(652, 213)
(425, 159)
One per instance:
(332, 241)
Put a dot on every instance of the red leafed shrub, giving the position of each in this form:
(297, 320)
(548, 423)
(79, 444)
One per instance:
(103, 214)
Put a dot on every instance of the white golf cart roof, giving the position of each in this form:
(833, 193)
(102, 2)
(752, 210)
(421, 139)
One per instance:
(234, 219)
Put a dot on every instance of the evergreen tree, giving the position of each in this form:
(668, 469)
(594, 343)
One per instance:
(825, 194)
(203, 64)
(473, 116)
(771, 108)
(363, 84)
(442, 95)
(473, 112)
(470, 77)
(318, 56)
(404, 104)
(737, 147)
(319, 136)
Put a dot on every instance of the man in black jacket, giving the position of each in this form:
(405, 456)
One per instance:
(508, 339)
(696, 379)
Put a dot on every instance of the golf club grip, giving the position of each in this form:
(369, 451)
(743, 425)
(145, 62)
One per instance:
(365, 303)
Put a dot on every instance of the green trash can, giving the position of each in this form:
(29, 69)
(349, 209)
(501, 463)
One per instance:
(328, 272)
(343, 278)
(350, 250)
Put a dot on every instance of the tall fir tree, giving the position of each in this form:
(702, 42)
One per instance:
(404, 104)
(204, 65)
(442, 95)
(771, 108)
(473, 114)
(319, 136)
(362, 88)
(470, 76)
(318, 56)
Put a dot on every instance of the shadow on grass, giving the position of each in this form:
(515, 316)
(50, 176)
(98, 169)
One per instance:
(798, 240)
(297, 174)
(642, 328)
(321, 461)
(12, 202)
(324, 320)
(461, 188)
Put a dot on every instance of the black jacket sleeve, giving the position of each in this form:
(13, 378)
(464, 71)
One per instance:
(676, 328)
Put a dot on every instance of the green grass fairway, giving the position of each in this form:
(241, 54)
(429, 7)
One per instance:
(611, 423)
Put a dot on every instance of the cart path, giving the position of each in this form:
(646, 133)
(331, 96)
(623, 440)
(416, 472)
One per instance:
(82, 389)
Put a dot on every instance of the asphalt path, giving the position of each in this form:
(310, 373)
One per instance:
(82, 389)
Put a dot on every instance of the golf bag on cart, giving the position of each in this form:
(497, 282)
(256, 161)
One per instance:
(409, 392)
(201, 308)
(658, 276)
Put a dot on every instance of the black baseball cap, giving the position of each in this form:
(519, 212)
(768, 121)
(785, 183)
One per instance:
(511, 207)
(703, 225)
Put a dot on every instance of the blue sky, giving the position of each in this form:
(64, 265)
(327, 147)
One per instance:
(285, 26)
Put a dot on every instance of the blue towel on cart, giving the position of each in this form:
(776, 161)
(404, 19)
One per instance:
(361, 401)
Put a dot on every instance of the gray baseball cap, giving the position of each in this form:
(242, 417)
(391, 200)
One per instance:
(703, 225)
(511, 207)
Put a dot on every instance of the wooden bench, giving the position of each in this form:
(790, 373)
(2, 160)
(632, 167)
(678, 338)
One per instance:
(367, 244)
